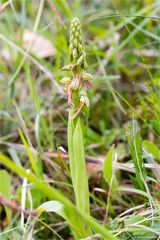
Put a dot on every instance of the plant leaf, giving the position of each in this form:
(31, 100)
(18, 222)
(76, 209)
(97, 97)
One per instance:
(60, 209)
(135, 144)
(5, 190)
(152, 148)
(107, 168)
(81, 181)
(29, 153)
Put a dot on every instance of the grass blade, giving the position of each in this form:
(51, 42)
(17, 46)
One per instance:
(107, 169)
(5, 190)
(29, 153)
(135, 144)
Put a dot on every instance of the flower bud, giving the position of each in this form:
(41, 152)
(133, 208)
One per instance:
(75, 53)
(80, 60)
(86, 76)
(75, 84)
(67, 68)
(85, 100)
(75, 42)
(65, 80)
(85, 65)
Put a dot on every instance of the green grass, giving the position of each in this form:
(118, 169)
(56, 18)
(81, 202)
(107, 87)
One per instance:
(119, 136)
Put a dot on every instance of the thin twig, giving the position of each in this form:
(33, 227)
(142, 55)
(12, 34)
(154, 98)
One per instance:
(15, 207)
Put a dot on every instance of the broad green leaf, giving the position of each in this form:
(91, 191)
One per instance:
(81, 180)
(152, 148)
(5, 190)
(52, 206)
(77, 166)
(107, 168)
(60, 209)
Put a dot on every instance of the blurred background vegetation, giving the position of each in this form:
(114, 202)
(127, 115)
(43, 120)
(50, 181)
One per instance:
(122, 43)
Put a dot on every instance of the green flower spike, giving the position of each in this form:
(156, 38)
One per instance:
(80, 79)
(76, 47)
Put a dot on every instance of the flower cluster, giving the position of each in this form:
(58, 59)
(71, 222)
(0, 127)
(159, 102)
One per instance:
(78, 65)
